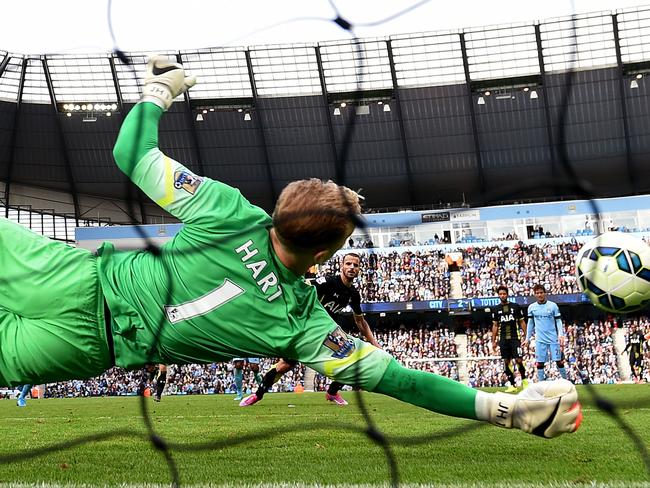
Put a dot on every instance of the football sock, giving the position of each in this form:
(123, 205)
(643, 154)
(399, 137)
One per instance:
(25, 391)
(239, 380)
(541, 376)
(510, 374)
(434, 392)
(334, 388)
(563, 372)
(160, 383)
(270, 378)
(522, 370)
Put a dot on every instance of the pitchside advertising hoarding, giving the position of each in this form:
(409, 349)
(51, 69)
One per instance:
(467, 304)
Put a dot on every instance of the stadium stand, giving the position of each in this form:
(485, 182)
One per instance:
(520, 267)
(400, 277)
(590, 353)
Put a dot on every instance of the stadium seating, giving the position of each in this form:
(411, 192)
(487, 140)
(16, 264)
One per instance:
(590, 355)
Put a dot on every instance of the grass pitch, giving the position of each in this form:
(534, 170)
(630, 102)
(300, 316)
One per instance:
(306, 441)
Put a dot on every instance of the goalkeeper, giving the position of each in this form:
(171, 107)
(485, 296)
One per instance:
(228, 285)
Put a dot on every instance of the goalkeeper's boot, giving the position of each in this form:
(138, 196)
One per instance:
(249, 400)
(546, 409)
(511, 389)
(338, 399)
(21, 402)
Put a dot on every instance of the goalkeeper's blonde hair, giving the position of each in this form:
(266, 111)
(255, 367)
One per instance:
(314, 214)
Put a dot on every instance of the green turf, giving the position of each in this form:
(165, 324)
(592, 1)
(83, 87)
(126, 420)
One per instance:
(308, 441)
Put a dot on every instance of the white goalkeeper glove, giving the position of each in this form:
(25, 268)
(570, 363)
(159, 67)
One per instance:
(547, 409)
(165, 81)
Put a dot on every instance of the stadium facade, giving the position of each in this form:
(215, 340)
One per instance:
(474, 117)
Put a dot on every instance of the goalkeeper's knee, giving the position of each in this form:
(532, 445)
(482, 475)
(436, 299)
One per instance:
(546, 409)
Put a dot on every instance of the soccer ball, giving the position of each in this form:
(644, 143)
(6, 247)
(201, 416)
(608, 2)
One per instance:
(613, 270)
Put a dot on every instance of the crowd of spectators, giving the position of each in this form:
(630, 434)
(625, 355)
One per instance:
(114, 382)
(399, 277)
(360, 243)
(590, 356)
(416, 347)
(590, 352)
(424, 274)
(190, 379)
(520, 267)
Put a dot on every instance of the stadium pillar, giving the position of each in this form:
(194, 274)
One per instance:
(14, 133)
(326, 106)
(545, 100)
(260, 125)
(4, 63)
(621, 90)
(66, 159)
(472, 113)
(120, 105)
(400, 121)
(192, 123)
(309, 378)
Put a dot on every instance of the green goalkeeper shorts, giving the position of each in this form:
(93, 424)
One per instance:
(51, 310)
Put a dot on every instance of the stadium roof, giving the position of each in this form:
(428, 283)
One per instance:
(426, 130)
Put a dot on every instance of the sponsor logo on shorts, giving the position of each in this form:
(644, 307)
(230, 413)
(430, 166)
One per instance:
(186, 181)
(339, 342)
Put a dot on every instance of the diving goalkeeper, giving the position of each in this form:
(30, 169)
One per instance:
(229, 284)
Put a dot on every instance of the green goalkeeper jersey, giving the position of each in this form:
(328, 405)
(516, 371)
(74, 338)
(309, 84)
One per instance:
(216, 290)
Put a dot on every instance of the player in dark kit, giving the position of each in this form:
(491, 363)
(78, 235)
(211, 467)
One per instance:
(635, 345)
(155, 374)
(506, 319)
(335, 293)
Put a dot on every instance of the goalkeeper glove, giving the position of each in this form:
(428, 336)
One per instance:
(547, 409)
(164, 82)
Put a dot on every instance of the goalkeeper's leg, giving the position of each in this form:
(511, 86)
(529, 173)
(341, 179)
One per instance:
(546, 409)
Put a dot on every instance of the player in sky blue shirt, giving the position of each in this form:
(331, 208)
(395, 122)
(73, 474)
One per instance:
(545, 323)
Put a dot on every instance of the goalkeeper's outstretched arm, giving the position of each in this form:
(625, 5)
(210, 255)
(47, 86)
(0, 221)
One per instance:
(190, 198)
(139, 134)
